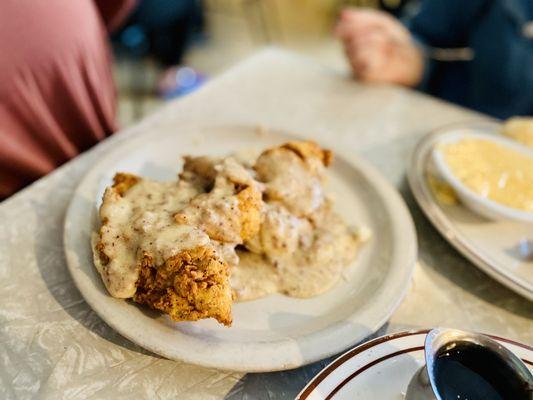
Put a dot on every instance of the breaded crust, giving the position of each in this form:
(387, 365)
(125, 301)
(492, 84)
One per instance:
(250, 205)
(219, 215)
(308, 149)
(122, 182)
(190, 286)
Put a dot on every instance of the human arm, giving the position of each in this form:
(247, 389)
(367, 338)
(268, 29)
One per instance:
(381, 49)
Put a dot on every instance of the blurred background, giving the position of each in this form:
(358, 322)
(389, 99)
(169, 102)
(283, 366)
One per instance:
(58, 97)
(209, 36)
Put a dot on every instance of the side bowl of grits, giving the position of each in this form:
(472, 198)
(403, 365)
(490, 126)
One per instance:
(491, 175)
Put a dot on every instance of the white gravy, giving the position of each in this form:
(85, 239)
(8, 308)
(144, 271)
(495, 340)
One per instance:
(309, 266)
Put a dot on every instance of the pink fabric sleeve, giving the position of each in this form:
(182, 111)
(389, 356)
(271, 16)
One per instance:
(57, 96)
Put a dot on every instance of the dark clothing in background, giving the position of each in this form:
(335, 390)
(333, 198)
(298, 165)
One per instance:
(499, 79)
(396, 8)
(57, 96)
(162, 29)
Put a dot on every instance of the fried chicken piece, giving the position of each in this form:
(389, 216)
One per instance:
(294, 174)
(230, 211)
(144, 254)
(169, 245)
(190, 286)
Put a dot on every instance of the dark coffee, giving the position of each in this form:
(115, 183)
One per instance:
(466, 371)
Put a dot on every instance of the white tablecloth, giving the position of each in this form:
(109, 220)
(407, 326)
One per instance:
(53, 346)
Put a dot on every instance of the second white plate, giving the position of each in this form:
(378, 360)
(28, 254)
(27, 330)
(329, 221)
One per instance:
(273, 333)
(382, 368)
(503, 249)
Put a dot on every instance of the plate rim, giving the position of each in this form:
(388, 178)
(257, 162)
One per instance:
(441, 222)
(403, 260)
(307, 391)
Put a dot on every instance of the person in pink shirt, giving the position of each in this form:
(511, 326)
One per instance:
(57, 96)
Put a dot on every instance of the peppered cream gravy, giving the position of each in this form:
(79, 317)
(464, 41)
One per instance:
(310, 267)
(142, 220)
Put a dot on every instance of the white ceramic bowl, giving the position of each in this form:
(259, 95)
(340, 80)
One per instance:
(475, 202)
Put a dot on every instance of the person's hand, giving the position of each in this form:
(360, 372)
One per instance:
(379, 48)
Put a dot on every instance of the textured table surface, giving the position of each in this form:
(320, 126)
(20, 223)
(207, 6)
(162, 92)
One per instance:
(53, 346)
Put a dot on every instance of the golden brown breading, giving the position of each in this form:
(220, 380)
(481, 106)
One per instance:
(303, 155)
(190, 286)
(122, 182)
(250, 205)
(308, 149)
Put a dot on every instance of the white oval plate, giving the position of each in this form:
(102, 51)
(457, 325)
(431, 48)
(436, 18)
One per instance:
(382, 368)
(276, 332)
(503, 249)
